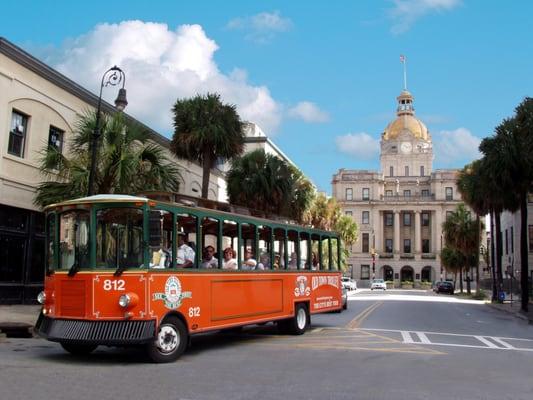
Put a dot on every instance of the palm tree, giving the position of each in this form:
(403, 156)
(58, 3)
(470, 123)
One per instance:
(127, 162)
(323, 213)
(206, 130)
(510, 155)
(473, 191)
(347, 229)
(266, 183)
(461, 233)
(453, 261)
(524, 184)
(499, 195)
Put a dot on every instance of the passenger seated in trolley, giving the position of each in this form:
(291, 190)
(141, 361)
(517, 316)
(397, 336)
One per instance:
(185, 258)
(209, 260)
(275, 265)
(264, 261)
(314, 262)
(249, 262)
(229, 259)
(293, 262)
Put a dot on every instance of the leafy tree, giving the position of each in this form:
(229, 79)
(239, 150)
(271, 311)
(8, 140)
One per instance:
(127, 162)
(205, 130)
(268, 184)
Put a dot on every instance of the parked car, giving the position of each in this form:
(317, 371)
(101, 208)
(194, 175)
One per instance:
(444, 287)
(378, 284)
(349, 283)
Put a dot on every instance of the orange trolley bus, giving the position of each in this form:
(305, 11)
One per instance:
(127, 270)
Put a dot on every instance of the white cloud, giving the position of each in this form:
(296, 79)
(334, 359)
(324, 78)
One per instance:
(406, 12)
(309, 112)
(454, 149)
(161, 66)
(262, 27)
(360, 145)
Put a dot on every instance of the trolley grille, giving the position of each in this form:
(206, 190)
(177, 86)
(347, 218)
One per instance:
(101, 332)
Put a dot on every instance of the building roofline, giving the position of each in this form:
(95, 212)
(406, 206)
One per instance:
(33, 64)
(266, 139)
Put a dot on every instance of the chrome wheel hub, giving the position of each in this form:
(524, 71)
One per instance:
(301, 319)
(167, 339)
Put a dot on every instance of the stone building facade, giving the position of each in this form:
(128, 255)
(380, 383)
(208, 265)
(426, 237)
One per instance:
(401, 208)
(40, 106)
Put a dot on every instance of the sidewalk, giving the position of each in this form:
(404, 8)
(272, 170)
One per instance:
(514, 309)
(18, 320)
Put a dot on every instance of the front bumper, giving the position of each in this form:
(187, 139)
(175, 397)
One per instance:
(112, 333)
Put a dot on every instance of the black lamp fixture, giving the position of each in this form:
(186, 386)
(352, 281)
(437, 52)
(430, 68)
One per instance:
(112, 77)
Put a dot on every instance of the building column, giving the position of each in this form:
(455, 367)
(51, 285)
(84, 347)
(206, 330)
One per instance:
(439, 240)
(396, 231)
(377, 224)
(434, 238)
(418, 241)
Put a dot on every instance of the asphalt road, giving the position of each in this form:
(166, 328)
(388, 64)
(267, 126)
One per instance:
(402, 345)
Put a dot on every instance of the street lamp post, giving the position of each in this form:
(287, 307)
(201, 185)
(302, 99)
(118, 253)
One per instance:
(112, 77)
(373, 264)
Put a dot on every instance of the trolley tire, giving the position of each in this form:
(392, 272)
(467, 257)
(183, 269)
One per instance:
(78, 349)
(298, 324)
(170, 342)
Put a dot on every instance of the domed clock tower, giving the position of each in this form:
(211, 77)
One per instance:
(406, 148)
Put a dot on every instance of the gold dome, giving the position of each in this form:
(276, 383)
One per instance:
(406, 122)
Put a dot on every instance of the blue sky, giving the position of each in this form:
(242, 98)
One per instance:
(320, 77)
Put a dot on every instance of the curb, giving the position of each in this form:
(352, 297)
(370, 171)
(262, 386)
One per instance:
(517, 314)
(16, 330)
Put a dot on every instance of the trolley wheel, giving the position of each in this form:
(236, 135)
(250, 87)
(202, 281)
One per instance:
(298, 324)
(78, 349)
(170, 341)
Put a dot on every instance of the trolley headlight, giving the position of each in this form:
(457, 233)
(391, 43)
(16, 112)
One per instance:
(41, 297)
(124, 301)
(128, 300)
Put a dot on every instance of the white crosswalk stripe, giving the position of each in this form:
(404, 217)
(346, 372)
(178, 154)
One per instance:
(454, 340)
(486, 342)
(406, 336)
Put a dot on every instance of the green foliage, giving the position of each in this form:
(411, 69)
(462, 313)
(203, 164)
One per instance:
(205, 130)
(127, 162)
(325, 213)
(479, 295)
(266, 183)
(461, 234)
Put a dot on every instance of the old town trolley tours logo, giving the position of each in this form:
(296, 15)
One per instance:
(301, 288)
(173, 295)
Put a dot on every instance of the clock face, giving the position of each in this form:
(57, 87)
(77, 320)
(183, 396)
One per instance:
(405, 147)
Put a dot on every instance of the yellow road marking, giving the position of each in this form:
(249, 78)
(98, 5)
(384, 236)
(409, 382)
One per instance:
(359, 318)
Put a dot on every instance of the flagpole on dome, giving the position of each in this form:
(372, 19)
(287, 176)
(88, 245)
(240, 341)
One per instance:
(403, 60)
